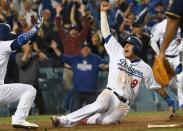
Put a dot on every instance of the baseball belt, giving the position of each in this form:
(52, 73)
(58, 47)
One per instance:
(121, 98)
(171, 56)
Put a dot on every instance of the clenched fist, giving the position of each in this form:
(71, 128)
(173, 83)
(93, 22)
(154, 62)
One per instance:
(105, 6)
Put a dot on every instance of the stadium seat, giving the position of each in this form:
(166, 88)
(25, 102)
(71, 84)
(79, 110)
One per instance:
(144, 100)
(60, 94)
(102, 80)
(12, 107)
(4, 111)
(50, 102)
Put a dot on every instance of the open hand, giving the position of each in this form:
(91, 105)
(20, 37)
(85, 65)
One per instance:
(53, 44)
(58, 8)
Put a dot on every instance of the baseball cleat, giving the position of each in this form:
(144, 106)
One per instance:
(171, 116)
(55, 121)
(24, 124)
(83, 122)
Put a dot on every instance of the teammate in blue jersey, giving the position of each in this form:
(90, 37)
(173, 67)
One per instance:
(23, 93)
(85, 69)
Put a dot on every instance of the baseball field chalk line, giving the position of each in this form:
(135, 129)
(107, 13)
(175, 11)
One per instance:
(164, 125)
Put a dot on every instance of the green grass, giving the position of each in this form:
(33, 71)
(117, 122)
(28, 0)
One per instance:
(7, 120)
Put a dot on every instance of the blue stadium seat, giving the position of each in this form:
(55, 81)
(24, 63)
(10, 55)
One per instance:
(50, 102)
(4, 111)
(144, 100)
(60, 94)
(102, 80)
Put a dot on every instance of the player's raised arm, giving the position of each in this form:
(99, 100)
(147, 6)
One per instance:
(175, 17)
(104, 7)
(28, 36)
(112, 46)
(171, 30)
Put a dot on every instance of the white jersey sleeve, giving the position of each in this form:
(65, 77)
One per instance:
(149, 80)
(155, 36)
(5, 47)
(112, 46)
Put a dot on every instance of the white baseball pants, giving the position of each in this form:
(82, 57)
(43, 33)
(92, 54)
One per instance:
(180, 88)
(23, 93)
(107, 109)
(174, 62)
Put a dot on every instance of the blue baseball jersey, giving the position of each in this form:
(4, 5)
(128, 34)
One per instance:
(85, 71)
(176, 11)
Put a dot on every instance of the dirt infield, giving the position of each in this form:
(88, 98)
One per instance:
(133, 122)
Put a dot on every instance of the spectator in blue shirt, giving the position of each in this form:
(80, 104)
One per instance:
(85, 71)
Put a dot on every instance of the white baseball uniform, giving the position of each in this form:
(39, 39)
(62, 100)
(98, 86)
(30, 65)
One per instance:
(124, 80)
(172, 53)
(13, 92)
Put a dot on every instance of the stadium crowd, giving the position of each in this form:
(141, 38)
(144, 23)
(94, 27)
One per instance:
(71, 23)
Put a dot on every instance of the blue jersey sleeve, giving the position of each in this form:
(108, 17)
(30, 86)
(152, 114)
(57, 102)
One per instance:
(113, 47)
(24, 38)
(67, 59)
(101, 61)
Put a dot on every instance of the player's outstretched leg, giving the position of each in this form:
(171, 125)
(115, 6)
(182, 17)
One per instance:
(26, 100)
(100, 105)
(55, 121)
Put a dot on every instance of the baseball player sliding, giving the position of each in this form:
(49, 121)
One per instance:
(9, 93)
(126, 72)
(172, 55)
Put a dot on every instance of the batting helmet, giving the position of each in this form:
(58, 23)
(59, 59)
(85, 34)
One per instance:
(136, 42)
(5, 32)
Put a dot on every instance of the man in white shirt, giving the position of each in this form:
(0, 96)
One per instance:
(126, 72)
(172, 55)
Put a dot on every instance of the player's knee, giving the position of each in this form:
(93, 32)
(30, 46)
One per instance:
(101, 105)
(31, 90)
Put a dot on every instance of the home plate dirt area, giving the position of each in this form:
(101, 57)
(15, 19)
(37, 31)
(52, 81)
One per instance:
(135, 121)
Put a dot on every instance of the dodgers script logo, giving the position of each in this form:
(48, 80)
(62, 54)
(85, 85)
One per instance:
(84, 66)
(124, 66)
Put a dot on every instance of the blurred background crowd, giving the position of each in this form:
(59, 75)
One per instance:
(71, 24)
